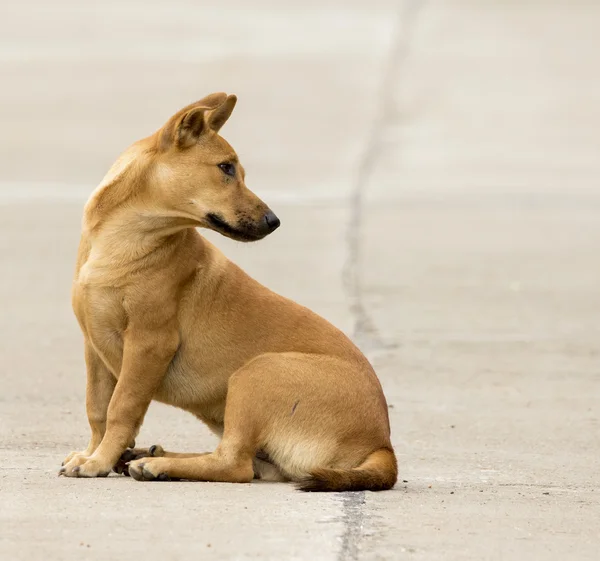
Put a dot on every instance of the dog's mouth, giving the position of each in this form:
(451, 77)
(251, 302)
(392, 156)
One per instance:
(247, 234)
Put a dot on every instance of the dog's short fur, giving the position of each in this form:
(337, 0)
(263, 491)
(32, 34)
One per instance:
(166, 316)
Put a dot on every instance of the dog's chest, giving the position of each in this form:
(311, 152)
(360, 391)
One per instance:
(102, 318)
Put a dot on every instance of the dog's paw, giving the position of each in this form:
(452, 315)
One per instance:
(130, 455)
(78, 456)
(150, 469)
(84, 466)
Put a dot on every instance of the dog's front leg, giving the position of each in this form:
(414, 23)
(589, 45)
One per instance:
(99, 389)
(146, 356)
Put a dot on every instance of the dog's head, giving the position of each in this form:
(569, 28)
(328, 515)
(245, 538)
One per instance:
(197, 173)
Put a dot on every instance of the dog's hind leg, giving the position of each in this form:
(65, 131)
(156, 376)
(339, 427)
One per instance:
(228, 463)
(155, 451)
(233, 460)
(263, 468)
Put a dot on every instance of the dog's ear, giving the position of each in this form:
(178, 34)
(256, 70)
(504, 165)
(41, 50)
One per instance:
(218, 117)
(190, 127)
(185, 128)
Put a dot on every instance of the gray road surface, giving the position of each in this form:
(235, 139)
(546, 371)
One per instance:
(436, 168)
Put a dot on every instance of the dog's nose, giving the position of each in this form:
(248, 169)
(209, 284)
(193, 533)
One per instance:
(272, 221)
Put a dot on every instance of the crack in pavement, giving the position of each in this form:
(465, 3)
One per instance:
(365, 332)
(352, 520)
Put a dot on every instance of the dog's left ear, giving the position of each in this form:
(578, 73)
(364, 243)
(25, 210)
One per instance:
(218, 117)
(185, 128)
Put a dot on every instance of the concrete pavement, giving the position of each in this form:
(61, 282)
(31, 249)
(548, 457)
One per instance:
(435, 166)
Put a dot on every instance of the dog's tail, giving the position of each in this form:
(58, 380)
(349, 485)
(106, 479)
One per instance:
(377, 473)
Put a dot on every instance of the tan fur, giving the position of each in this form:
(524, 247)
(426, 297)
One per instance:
(167, 316)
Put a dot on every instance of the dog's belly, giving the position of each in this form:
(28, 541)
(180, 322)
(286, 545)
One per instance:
(189, 386)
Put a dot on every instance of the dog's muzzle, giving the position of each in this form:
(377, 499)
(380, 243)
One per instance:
(244, 230)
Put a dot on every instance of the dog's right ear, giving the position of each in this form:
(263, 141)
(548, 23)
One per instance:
(185, 128)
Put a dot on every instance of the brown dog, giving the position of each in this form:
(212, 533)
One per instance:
(166, 316)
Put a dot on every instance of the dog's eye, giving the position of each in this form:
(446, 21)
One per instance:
(227, 169)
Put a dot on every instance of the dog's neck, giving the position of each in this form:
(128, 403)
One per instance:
(116, 187)
(129, 236)
(118, 224)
